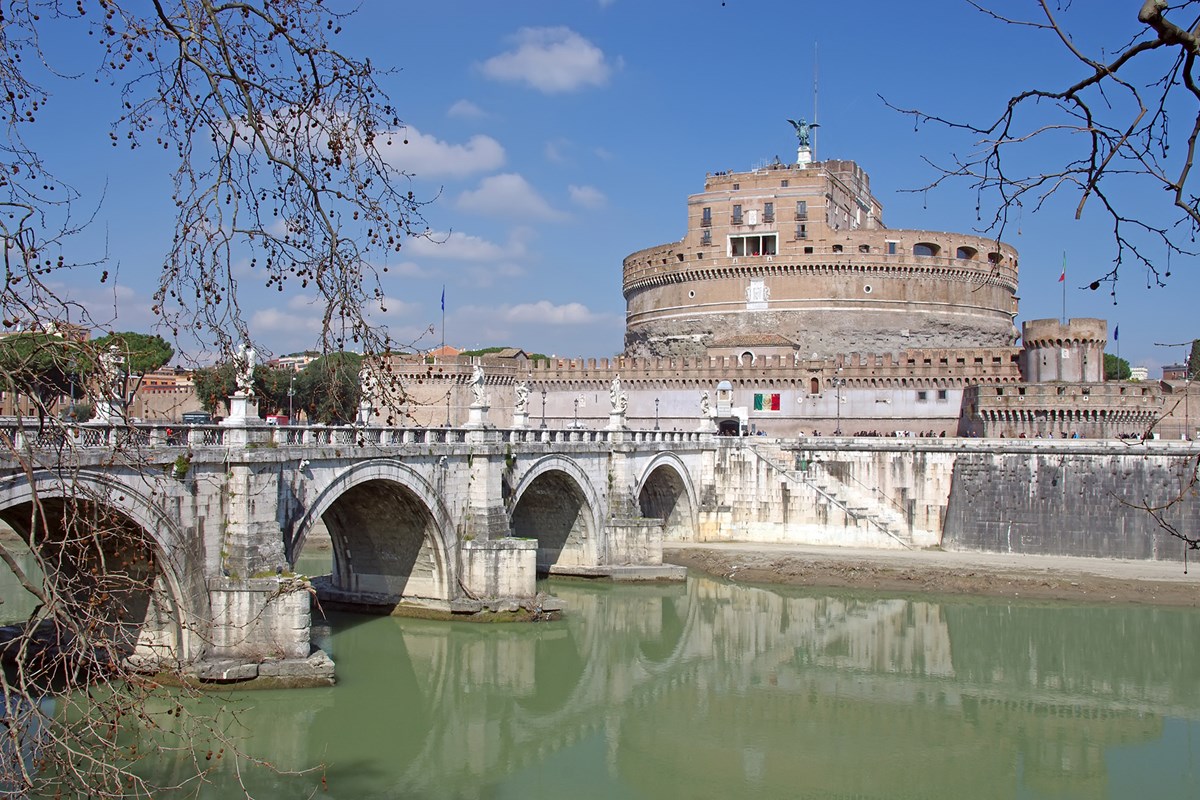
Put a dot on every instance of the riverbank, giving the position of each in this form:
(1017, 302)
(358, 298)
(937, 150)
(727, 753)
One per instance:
(1088, 580)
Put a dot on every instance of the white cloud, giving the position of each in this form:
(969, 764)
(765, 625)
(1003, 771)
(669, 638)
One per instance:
(290, 320)
(587, 196)
(425, 155)
(546, 313)
(488, 275)
(465, 109)
(550, 60)
(508, 194)
(556, 151)
(465, 247)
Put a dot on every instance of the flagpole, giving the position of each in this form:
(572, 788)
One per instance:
(448, 391)
(1063, 280)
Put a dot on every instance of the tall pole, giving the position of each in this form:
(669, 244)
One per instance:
(450, 390)
(812, 136)
(1063, 280)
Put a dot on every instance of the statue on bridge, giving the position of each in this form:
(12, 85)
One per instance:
(522, 404)
(478, 398)
(112, 372)
(618, 398)
(705, 405)
(244, 363)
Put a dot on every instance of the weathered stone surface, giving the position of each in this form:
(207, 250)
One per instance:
(224, 671)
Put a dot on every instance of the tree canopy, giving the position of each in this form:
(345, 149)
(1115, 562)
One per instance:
(1116, 369)
(143, 352)
(328, 389)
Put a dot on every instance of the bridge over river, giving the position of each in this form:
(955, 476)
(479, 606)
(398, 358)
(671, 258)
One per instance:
(463, 520)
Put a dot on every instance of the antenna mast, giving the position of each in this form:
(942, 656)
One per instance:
(813, 134)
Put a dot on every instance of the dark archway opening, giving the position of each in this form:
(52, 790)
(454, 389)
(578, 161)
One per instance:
(84, 594)
(664, 497)
(553, 511)
(383, 537)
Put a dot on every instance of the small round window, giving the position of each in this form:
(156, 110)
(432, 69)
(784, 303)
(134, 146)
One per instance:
(867, 289)
(691, 294)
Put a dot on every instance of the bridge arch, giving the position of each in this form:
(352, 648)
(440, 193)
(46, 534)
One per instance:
(556, 504)
(392, 534)
(158, 605)
(665, 491)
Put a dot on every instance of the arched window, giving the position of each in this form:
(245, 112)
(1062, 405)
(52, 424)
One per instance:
(925, 249)
(967, 253)
(814, 386)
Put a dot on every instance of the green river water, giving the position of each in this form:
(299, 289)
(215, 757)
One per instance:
(717, 690)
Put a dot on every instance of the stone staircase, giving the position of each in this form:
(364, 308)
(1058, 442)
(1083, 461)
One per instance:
(860, 503)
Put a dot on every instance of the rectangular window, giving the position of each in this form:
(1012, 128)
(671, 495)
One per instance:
(891, 248)
(942, 394)
(706, 237)
(706, 217)
(801, 209)
(922, 396)
(761, 245)
(768, 212)
(802, 231)
(737, 213)
(783, 183)
(767, 402)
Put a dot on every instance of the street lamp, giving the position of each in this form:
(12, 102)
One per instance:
(838, 383)
(543, 408)
(291, 394)
(575, 424)
(656, 413)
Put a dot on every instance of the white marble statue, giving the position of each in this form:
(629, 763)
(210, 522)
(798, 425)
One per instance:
(478, 398)
(367, 384)
(705, 405)
(618, 398)
(244, 363)
(112, 365)
(522, 404)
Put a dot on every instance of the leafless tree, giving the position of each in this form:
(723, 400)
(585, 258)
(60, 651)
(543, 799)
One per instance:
(279, 142)
(1102, 135)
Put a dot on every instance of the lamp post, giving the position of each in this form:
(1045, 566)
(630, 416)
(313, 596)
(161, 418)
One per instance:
(575, 424)
(291, 394)
(656, 413)
(543, 407)
(838, 383)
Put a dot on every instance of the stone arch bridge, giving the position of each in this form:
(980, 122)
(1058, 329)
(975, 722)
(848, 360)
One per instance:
(455, 520)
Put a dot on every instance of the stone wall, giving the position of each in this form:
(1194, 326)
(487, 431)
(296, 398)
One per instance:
(1047, 497)
(1059, 503)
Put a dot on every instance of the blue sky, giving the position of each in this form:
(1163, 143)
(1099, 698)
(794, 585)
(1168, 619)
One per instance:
(555, 137)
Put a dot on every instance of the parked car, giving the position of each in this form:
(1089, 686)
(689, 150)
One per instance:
(278, 419)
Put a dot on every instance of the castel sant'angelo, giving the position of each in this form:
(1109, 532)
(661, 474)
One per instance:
(792, 305)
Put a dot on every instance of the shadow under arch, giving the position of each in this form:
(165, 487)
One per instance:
(389, 529)
(130, 582)
(556, 504)
(665, 492)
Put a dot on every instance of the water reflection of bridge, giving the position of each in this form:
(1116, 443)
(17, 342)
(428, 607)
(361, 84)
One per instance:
(735, 687)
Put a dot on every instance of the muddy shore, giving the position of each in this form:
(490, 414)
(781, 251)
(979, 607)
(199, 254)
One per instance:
(1086, 580)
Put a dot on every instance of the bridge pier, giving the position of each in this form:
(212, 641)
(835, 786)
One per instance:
(261, 613)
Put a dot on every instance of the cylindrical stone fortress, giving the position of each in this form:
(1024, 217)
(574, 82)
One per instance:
(801, 252)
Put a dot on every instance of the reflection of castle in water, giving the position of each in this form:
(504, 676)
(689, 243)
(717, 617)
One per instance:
(732, 688)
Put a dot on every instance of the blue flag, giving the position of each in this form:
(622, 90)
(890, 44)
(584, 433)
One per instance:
(1116, 333)
(443, 298)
